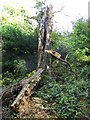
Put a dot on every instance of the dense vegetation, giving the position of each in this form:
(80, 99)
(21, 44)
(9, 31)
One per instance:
(66, 96)
(19, 46)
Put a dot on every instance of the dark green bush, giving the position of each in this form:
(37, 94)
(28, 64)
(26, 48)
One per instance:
(20, 68)
(7, 78)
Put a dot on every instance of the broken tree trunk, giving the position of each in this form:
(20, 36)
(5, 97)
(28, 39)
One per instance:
(45, 39)
(22, 102)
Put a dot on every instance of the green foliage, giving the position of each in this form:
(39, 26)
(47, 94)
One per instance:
(19, 68)
(66, 97)
(58, 40)
(80, 40)
(40, 6)
(77, 42)
(19, 37)
(19, 44)
(20, 73)
(7, 78)
(14, 37)
(30, 74)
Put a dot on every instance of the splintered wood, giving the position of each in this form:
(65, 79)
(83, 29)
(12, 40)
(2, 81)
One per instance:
(22, 102)
(54, 53)
(45, 38)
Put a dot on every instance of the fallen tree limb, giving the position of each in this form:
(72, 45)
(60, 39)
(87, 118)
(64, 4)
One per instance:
(15, 89)
(22, 102)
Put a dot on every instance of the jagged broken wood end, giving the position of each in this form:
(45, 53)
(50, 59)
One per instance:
(53, 53)
(22, 102)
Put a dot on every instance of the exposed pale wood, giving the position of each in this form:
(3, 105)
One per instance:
(58, 56)
(22, 102)
(54, 53)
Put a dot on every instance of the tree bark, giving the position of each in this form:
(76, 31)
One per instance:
(45, 39)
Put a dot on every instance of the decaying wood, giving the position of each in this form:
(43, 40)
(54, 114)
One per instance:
(22, 102)
(15, 89)
(45, 38)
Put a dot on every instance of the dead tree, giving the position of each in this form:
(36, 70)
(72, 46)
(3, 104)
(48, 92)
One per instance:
(22, 101)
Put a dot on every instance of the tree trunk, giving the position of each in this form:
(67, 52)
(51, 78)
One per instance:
(45, 39)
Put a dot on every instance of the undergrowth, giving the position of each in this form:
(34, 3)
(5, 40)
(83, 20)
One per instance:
(66, 97)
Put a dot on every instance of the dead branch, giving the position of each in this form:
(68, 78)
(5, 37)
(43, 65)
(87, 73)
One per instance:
(58, 56)
(59, 10)
(22, 102)
(15, 89)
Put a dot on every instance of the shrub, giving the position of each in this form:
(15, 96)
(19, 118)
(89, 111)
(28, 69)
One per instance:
(20, 68)
(7, 78)
(66, 96)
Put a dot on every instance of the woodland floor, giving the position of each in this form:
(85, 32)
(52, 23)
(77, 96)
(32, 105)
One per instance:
(37, 110)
